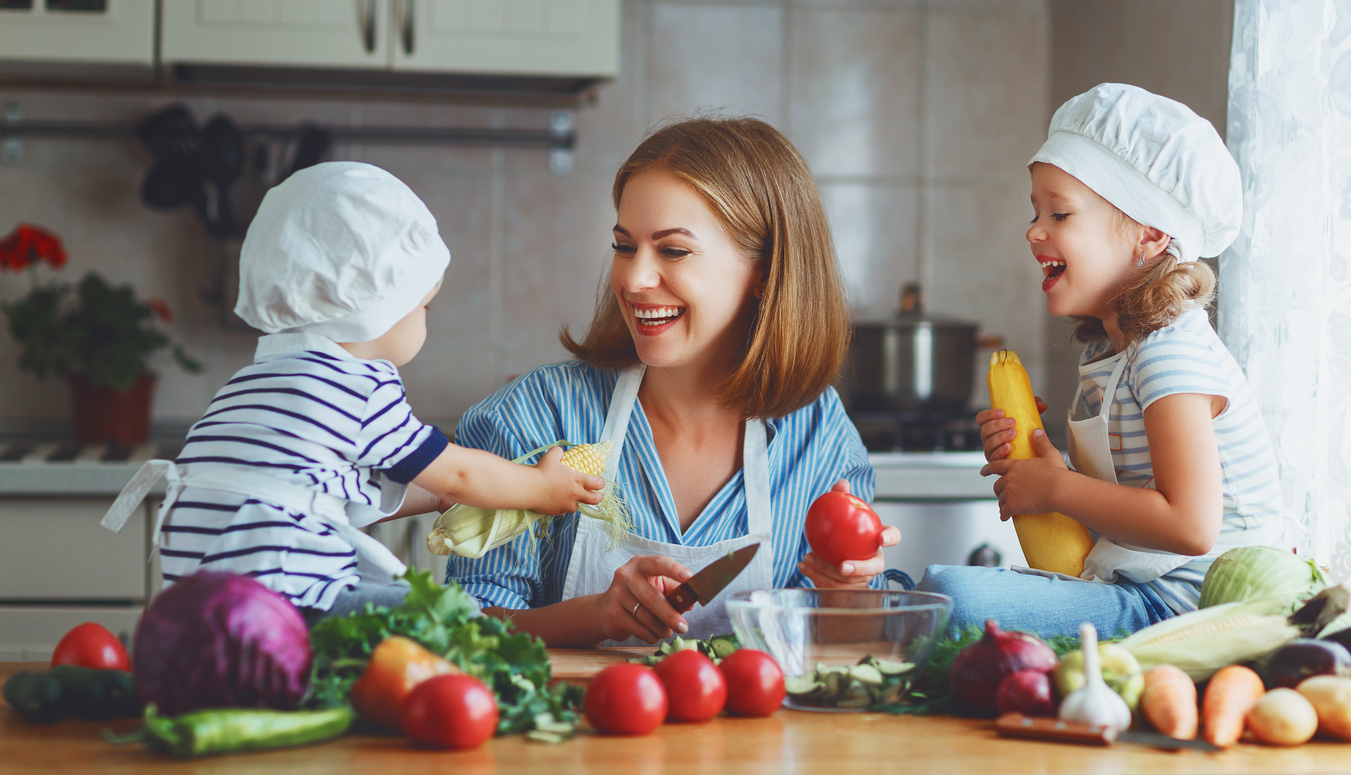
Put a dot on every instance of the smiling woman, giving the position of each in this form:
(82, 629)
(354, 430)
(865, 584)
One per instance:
(709, 365)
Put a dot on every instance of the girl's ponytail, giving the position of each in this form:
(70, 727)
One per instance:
(1154, 299)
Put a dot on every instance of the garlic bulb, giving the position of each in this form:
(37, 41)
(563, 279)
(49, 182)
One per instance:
(1094, 703)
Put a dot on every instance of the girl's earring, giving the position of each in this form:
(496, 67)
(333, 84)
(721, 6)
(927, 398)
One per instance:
(1140, 259)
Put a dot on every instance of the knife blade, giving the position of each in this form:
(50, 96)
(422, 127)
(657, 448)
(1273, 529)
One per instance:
(707, 583)
(1019, 725)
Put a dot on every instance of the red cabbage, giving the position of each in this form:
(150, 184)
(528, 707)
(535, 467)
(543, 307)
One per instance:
(219, 640)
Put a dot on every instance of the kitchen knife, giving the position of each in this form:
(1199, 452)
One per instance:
(707, 583)
(1018, 725)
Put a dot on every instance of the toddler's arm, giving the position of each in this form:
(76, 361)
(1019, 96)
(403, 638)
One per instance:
(1181, 515)
(478, 478)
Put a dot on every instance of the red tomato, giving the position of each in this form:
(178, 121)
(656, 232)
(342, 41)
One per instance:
(625, 699)
(91, 645)
(842, 527)
(450, 711)
(754, 683)
(695, 688)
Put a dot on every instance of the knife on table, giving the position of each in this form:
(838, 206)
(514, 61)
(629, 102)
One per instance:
(1018, 725)
(707, 583)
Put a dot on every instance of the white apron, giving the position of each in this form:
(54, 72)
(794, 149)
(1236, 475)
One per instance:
(591, 568)
(1091, 453)
(375, 562)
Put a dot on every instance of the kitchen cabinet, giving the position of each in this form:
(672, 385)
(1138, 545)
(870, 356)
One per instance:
(120, 32)
(60, 568)
(497, 37)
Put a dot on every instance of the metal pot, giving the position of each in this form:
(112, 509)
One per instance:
(912, 361)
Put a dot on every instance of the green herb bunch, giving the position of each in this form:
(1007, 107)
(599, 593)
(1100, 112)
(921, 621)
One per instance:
(101, 331)
(444, 619)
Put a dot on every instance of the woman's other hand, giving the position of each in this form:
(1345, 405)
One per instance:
(852, 574)
(635, 604)
(565, 487)
(997, 432)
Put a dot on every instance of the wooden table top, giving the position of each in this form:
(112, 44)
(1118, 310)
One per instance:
(788, 741)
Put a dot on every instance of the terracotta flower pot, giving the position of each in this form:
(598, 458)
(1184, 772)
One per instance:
(101, 414)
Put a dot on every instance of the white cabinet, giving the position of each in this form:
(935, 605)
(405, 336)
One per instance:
(555, 37)
(118, 32)
(308, 33)
(497, 37)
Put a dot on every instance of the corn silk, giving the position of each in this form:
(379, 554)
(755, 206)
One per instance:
(472, 531)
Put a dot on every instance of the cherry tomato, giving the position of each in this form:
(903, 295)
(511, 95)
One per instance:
(843, 527)
(754, 683)
(450, 711)
(695, 688)
(625, 699)
(91, 645)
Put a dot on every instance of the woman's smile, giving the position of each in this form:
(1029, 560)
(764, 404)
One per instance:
(653, 319)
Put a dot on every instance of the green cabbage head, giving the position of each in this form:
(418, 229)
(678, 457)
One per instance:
(1254, 572)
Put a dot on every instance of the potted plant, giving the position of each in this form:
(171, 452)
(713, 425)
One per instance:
(96, 335)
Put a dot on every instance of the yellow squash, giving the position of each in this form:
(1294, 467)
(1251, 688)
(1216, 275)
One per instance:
(1051, 541)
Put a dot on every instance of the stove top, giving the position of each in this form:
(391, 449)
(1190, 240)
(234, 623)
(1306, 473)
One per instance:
(37, 453)
(918, 431)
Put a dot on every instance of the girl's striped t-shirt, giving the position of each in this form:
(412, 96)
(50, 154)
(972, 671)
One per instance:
(308, 413)
(1186, 357)
(809, 450)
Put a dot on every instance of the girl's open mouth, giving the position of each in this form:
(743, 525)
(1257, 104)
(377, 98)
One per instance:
(1051, 270)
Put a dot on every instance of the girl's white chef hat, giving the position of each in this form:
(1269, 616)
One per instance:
(1155, 160)
(343, 250)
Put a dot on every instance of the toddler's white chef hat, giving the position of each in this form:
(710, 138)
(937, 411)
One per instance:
(341, 249)
(1155, 160)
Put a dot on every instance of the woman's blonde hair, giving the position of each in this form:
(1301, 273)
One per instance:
(1155, 298)
(759, 187)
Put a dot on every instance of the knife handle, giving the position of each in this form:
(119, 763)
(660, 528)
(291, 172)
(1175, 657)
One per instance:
(683, 598)
(1018, 725)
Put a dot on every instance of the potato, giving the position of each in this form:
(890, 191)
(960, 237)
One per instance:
(1283, 717)
(1331, 699)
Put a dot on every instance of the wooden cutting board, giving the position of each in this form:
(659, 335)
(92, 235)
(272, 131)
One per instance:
(580, 665)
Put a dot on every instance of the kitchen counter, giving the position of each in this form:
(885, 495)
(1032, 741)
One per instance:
(788, 741)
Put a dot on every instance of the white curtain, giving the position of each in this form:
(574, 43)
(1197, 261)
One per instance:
(1285, 285)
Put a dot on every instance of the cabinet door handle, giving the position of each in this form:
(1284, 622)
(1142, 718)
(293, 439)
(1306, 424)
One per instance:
(407, 26)
(366, 22)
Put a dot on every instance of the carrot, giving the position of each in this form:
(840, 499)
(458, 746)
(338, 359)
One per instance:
(1231, 693)
(1169, 701)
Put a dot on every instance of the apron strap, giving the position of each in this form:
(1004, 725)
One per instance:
(623, 398)
(755, 476)
(134, 493)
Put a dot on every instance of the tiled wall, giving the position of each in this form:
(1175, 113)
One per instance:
(916, 117)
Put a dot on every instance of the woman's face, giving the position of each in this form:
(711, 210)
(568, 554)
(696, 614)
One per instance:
(687, 293)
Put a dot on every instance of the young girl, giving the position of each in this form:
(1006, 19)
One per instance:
(316, 438)
(1172, 464)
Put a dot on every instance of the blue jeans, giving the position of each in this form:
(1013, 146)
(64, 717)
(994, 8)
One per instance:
(1040, 605)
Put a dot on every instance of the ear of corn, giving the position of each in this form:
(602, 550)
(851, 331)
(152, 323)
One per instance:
(472, 531)
(1203, 641)
(1050, 541)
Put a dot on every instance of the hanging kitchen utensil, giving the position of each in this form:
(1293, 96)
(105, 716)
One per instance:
(312, 146)
(177, 178)
(222, 163)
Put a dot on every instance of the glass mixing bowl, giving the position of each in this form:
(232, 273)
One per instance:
(821, 637)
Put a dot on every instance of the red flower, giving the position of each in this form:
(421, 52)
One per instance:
(161, 309)
(28, 244)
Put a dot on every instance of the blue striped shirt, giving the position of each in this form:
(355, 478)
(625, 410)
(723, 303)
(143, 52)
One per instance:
(1186, 357)
(308, 413)
(809, 450)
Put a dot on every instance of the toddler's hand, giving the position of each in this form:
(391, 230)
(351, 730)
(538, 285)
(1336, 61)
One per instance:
(1026, 486)
(997, 432)
(565, 487)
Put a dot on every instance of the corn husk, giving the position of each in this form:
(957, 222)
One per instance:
(473, 531)
(1203, 641)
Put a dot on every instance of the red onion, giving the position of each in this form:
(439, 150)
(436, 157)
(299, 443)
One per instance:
(979, 669)
(1027, 692)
